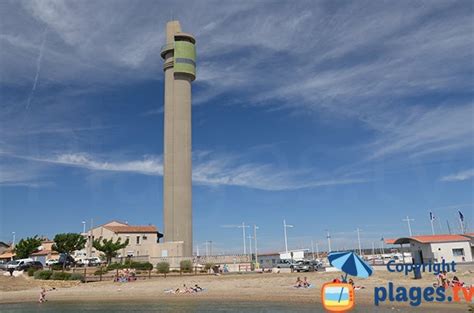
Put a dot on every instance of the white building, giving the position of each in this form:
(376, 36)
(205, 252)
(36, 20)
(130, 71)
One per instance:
(436, 248)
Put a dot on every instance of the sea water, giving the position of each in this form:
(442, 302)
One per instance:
(191, 307)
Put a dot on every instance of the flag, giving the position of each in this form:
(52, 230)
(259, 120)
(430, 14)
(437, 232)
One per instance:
(461, 217)
(432, 217)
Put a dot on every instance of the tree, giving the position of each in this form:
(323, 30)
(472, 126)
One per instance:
(163, 268)
(109, 247)
(25, 247)
(67, 243)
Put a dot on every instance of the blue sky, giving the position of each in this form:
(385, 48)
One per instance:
(333, 115)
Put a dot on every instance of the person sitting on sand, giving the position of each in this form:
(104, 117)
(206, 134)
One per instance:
(456, 282)
(42, 297)
(197, 288)
(351, 281)
(299, 283)
(306, 284)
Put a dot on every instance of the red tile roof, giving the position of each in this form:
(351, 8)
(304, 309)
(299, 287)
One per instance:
(430, 239)
(132, 229)
(43, 252)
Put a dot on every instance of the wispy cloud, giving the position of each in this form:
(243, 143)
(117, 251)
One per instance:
(208, 170)
(463, 175)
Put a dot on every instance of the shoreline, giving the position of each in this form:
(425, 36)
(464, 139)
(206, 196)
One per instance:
(249, 288)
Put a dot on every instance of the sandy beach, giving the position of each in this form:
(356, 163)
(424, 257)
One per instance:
(233, 287)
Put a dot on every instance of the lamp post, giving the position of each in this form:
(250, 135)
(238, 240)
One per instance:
(329, 241)
(255, 227)
(83, 227)
(285, 226)
(13, 242)
(243, 226)
(358, 239)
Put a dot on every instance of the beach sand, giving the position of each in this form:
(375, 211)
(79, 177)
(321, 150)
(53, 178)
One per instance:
(267, 287)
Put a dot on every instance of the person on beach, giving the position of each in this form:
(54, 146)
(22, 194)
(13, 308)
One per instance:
(197, 288)
(299, 283)
(42, 297)
(306, 284)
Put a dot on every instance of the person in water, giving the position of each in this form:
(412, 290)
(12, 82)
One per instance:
(42, 297)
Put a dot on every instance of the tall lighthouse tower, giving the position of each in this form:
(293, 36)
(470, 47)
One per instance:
(179, 56)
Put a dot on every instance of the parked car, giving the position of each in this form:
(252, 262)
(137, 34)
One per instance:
(286, 264)
(17, 263)
(51, 262)
(95, 261)
(66, 260)
(35, 264)
(305, 266)
(3, 265)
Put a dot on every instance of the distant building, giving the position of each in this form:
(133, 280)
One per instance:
(268, 260)
(3, 247)
(436, 248)
(144, 241)
(45, 252)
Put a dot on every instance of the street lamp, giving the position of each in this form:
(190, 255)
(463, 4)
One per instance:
(285, 226)
(13, 242)
(255, 227)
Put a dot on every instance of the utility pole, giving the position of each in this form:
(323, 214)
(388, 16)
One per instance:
(317, 250)
(329, 241)
(358, 239)
(408, 220)
(285, 226)
(243, 226)
(13, 242)
(83, 227)
(250, 246)
(255, 227)
(312, 248)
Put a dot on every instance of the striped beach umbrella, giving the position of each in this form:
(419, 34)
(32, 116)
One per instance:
(350, 263)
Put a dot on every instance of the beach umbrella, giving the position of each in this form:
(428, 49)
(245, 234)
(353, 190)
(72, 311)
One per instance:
(350, 263)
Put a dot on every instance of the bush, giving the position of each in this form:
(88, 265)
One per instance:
(60, 276)
(31, 271)
(45, 275)
(76, 276)
(186, 266)
(115, 266)
(143, 266)
(57, 267)
(163, 267)
(208, 266)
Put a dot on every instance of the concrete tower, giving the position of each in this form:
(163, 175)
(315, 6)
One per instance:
(179, 56)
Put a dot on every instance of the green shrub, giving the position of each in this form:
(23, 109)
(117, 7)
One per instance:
(57, 267)
(186, 266)
(208, 266)
(31, 271)
(143, 266)
(115, 266)
(76, 276)
(45, 275)
(163, 267)
(60, 276)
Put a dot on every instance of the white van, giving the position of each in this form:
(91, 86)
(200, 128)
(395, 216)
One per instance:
(14, 264)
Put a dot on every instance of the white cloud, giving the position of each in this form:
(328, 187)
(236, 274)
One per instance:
(208, 170)
(463, 175)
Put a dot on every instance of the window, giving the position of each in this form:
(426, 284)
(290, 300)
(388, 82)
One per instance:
(138, 240)
(458, 252)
